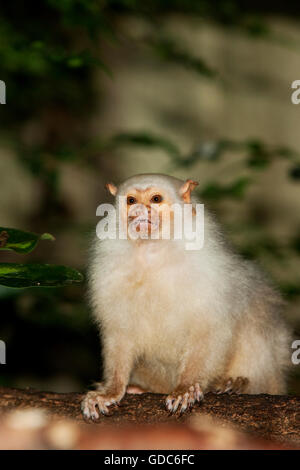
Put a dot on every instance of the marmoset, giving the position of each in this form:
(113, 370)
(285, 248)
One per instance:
(177, 321)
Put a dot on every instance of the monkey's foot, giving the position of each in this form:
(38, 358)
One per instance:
(135, 389)
(95, 402)
(184, 400)
(237, 385)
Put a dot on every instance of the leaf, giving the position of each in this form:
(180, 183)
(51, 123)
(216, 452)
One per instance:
(287, 153)
(145, 139)
(264, 246)
(290, 290)
(218, 191)
(237, 189)
(213, 191)
(259, 155)
(210, 151)
(47, 236)
(169, 50)
(85, 59)
(294, 172)
(19, 240)
(295, 244)
(6, 292)
(37, 275)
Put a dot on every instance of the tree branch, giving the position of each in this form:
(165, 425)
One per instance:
(275, 418)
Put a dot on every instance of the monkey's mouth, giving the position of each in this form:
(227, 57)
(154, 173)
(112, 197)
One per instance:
(142, 221)
(142, 224)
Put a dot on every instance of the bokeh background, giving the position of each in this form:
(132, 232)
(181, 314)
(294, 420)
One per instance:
(99, 90)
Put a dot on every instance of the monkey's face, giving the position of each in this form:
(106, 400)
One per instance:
(146, 211)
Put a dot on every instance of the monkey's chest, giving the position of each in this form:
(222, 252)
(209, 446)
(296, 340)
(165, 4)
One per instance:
(160, 316)
(155, 302)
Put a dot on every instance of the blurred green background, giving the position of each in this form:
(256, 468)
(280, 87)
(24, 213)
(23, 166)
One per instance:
(99, 90)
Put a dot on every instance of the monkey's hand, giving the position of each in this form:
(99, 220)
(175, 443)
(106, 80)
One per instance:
(232, 385)
(184, 399)
(95, 402)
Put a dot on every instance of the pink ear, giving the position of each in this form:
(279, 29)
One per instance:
(111, 188)
(186, 189)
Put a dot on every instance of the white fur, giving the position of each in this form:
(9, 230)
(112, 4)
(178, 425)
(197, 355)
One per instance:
(170, 316)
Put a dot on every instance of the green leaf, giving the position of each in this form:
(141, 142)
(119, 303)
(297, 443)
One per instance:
(37, 275)
(145, 139)
(6, 292)
(259, 155)
(168, 49)
(295, 244)
(290, 290)
(294, 172)
(20, 241)
(238, 188)
(287, 153)
(217, 191)
(210, 151)
(47, 236)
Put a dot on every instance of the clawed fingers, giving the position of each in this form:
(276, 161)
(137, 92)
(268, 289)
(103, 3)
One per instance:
(231, 386)
(185, 400)
(95, 404)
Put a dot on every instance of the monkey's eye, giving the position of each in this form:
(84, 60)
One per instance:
(131, 200)
(156, 199)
